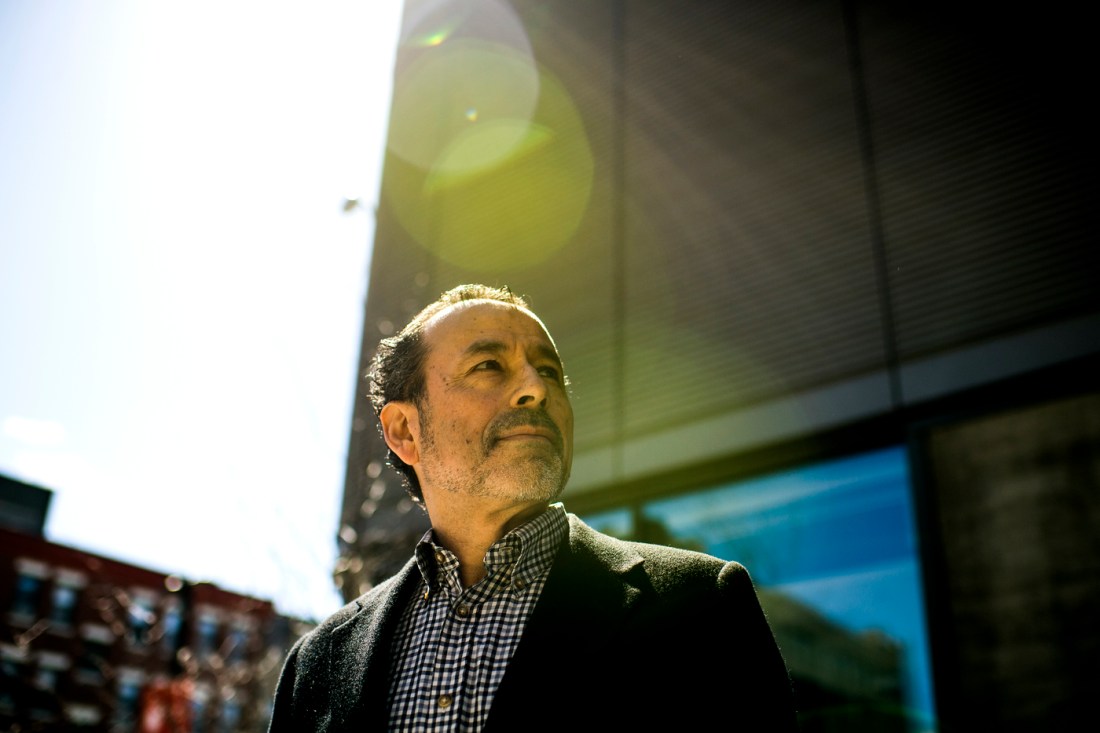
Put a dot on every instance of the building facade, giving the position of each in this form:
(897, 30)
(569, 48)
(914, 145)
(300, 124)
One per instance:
(89, 643)
(823, 278)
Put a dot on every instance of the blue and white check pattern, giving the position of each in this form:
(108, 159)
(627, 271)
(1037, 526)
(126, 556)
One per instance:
(453, 644)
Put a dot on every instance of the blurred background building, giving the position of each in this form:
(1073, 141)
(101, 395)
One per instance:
(88, 643)
(823, 275)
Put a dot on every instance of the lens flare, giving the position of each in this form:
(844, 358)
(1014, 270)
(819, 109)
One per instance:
(446, 88)
(434, 39)
(504, 193)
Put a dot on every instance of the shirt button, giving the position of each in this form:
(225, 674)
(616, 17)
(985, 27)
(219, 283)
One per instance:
(445, 701)
(439, 556)
(520, 585)
(462, 611)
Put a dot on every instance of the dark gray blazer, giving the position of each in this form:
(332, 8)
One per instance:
(626, 636)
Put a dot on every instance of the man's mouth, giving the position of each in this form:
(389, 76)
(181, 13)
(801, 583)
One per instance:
(524, 436)
(526, 425)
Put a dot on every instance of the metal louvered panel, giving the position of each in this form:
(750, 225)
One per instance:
(984, 184)
(749, 256)
(760, 171)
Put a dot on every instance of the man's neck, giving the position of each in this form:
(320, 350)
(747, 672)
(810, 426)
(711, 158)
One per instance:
(469, 531)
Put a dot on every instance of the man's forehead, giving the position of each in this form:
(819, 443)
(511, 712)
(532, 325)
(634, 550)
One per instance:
(471, 320)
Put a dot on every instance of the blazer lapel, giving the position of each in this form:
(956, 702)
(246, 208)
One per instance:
(591, 588)
(360, 657)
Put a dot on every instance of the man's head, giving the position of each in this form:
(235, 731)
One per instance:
(472, 398)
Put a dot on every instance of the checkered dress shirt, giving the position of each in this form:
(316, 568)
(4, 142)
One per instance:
(453, 644)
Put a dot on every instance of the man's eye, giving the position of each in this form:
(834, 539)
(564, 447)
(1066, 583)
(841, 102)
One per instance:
(551, 372)
(489, 365)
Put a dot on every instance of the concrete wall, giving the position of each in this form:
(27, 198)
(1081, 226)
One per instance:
(1016, 528)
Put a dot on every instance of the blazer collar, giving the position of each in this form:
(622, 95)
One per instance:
(360, 659)
(593, 586)
(594, 582)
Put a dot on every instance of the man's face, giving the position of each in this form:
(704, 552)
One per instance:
(496, 420)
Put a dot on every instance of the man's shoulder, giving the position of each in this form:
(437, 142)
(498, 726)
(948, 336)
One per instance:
(365, 605)
(663, 564)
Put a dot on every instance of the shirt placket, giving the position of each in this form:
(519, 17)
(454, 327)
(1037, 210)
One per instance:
(463, 638)
(446, 701)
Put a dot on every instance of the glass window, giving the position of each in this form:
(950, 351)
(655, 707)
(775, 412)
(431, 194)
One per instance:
(51, 665)
(65, 597)
(238, 642)
(617, 522)
(231, 716)
(126, 705)
(207, 633)
(45, 678)
(172, 624)
(95, 656)
(27, 590)
(198, 713)
(15, 670)
(832, 550)
(141, 618)
(27, 594)
(64, 605)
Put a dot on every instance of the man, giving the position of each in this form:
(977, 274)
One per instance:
(514, 615)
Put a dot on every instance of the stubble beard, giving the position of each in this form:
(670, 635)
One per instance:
(494, 474)
(535, 479)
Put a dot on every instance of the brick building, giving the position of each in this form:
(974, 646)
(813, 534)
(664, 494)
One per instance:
(90, 643)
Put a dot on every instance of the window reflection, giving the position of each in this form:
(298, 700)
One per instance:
(141, 617)
(832, 550)
(172, 625)
(617, 523)
(29, 584)
(128, 695)
(207, 632)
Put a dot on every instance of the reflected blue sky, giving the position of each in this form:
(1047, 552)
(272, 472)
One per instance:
(838, 536)
(797, 526)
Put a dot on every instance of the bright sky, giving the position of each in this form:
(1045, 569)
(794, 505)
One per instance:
(181, 292)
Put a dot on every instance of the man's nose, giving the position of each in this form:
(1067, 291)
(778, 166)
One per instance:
(531, 392)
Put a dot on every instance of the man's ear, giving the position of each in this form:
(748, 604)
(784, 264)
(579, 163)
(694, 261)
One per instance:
(401, 430)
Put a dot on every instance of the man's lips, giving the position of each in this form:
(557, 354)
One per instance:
(526, 425)
(525, 436)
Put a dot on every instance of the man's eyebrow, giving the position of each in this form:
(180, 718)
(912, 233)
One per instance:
(548, 352)
(491, 346)
(484, 346)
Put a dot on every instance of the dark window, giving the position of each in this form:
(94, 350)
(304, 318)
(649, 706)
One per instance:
(231, 716)
(28, 592)
(207, 633)
(95, 655)
(64, 604)
(126, 708)
(141, 619)
(172, 623)
(198, 714)
(238, 640)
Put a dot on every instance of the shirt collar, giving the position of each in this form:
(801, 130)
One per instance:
(524, 553)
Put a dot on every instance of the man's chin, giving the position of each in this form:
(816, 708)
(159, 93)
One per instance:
(538, 481)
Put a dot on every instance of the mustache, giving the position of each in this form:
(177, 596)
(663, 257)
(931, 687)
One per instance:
(524, 418)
